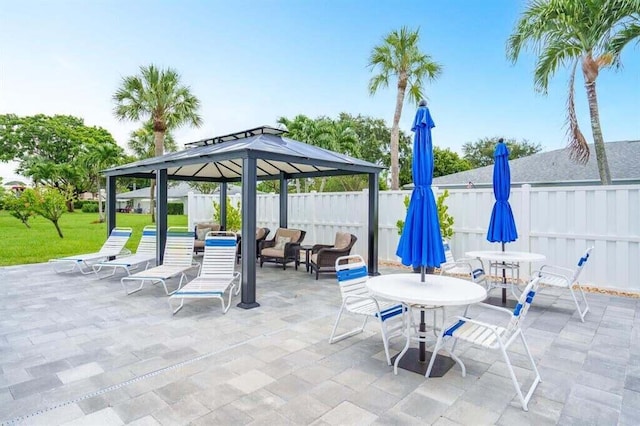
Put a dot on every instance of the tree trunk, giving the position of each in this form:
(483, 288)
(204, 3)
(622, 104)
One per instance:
(323, 182)
(598, 140)
(100, 213)
(25, 223)
(395, 134)
(159, 142)
(152, 206)
(55, 223)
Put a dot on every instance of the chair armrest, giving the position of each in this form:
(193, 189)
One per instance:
(495, 308)
(317, 247)
(266, 244)
(458, 263)
(554, 269)
(488, 326)
(290, 249)
(542, 273)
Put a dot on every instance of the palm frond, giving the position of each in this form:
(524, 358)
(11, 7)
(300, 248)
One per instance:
(578, 146)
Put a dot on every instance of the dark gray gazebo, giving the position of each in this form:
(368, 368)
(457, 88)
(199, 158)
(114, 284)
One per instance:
(262, 153)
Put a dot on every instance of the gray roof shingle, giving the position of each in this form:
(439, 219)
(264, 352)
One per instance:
(555, 168)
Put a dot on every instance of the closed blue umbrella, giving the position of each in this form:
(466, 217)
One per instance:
(502, 226)
(421, 241)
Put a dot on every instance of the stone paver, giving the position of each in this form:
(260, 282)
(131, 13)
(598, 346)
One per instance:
(100, 357)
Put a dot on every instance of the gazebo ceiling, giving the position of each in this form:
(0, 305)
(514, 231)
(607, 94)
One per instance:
(221, 159)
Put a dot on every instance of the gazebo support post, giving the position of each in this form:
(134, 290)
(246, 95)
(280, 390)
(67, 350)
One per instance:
(161, 214)
(373, 223)
(223, 206)
(248, 285)
(284, 201)
(111, 204)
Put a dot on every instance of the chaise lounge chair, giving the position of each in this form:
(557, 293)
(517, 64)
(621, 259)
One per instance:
(146, 253)
(178, 258)
(113, 247)
(217, 274)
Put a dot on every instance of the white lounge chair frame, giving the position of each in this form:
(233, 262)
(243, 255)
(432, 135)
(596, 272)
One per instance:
(113, 247)
(217, 273)
(557, 276)
(178, 258)
(146, 253)
(493, 337)
(356, 299)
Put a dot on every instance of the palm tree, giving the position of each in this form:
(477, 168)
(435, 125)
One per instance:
(159, 96)
(99, 157)
(142, 143)
(399, 56)
(568, 33)
(630, 30)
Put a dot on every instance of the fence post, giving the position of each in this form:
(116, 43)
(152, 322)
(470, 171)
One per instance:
(191, 209)
(525, 230)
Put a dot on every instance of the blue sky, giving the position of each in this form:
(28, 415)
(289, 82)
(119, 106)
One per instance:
(251, 62)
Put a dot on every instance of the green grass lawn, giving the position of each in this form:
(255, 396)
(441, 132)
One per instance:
(20, 245)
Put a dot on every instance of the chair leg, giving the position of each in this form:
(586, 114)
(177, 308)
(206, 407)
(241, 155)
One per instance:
(333, 338)
(524, 399)
(581, 312)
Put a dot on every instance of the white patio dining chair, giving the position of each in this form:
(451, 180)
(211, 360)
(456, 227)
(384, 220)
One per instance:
(145, 254)
(113, 247)
(558, 276)
(494, 337)
(352, 277)
(178, 258)
(217, 272)
(468, 266)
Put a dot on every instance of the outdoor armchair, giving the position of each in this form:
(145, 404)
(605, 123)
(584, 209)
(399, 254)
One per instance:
(468, 266)
(352, 279)
(491, 336)
(261, 235)
(283, 247)
(557, 276)
(201, 230)
(323, 257)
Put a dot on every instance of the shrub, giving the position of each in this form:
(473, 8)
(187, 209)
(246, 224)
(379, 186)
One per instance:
(77, 204)
(48, 202)
(90, 207)
(18, 207)
(175, 208)
(446, 221)
(234, 215)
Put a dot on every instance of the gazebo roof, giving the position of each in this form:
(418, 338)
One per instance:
(220, 159)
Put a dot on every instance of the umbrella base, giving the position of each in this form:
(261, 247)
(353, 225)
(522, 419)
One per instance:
(498, 301)
(411, 361)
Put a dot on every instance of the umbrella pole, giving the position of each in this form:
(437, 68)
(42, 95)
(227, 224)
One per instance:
(422, 357)
(504, 281)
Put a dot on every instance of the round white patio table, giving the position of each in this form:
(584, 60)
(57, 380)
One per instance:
(506, 258)
(436, 291)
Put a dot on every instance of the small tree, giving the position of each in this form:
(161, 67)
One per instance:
(49, 203)
(234, 215)
(18, 206)
(446, 221)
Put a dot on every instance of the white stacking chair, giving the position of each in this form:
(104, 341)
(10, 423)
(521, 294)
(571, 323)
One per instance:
(467, 266)
(217, 273)
(145, 254)
(178, 258)
(558, 276)
(494, 337)
(352, 279)
(113, 247)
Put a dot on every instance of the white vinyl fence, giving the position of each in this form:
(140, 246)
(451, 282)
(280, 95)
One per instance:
(559, 222)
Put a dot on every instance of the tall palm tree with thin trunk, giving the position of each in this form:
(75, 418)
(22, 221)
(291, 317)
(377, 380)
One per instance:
(157, 95)
(399, 56)
(571, 33)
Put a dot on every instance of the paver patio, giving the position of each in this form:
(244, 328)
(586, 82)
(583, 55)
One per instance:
(76, 350)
